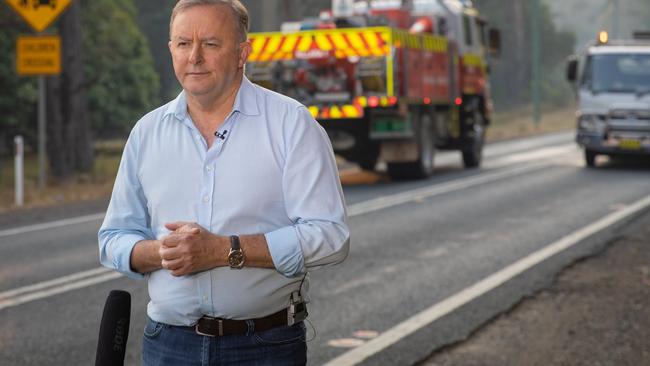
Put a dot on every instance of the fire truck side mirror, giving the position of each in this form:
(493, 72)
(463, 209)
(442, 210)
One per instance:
(572, 69)
(494, 42)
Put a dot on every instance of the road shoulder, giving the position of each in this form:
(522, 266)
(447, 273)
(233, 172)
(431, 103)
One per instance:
(597, 312)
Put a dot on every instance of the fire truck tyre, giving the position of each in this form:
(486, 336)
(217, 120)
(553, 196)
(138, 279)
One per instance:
(368, 160)
(368, 163)
(473, 152)
(423, 166)
(590, 158)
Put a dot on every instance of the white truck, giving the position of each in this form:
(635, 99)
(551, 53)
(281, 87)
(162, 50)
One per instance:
(612, 81)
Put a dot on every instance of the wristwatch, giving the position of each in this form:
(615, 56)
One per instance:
(236, 256)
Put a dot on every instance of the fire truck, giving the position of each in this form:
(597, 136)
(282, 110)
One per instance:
(388, 80)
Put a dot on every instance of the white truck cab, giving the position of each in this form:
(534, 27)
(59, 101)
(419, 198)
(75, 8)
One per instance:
(612, 81)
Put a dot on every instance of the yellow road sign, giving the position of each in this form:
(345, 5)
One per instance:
(39, 13)
(38, 55)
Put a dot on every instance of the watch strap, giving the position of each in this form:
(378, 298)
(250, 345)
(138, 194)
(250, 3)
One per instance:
(234, 242)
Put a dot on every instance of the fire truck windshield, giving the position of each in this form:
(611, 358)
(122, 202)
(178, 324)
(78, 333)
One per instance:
(617, 73)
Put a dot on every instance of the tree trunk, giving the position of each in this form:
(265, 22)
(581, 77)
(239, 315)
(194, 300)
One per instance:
(522, 46)
(56, 144)
(77, 114)
(70, 146)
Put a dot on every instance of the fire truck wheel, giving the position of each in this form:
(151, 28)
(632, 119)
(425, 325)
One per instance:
(368, 164)
(423, 166)
(473, 152)
(369, 158)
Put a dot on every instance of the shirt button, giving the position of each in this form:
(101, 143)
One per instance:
(205, 299)
(206, 199)
(208, 168)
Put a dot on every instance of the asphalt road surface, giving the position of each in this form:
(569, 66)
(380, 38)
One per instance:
(416, 246)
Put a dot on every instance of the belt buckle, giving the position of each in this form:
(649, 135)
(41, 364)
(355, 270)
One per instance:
(220, 326)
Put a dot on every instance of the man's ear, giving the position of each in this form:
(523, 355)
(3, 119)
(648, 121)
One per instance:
(244, 51)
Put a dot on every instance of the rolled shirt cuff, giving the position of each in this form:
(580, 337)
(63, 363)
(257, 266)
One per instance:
(122, 258)
(285, 250)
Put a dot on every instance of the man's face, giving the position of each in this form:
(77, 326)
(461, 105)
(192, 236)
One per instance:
(207, 54)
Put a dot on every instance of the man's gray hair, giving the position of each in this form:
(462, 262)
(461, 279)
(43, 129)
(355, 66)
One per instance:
(238, 9)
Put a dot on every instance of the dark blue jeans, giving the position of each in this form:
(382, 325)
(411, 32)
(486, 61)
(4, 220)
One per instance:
(164, 345)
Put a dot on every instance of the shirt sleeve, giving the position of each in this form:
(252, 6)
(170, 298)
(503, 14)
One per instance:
(314, 202)
(127, 219)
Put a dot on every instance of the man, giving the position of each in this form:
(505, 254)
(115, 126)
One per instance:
(224, 198)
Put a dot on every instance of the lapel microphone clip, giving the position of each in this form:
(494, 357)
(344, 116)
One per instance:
(221, 135)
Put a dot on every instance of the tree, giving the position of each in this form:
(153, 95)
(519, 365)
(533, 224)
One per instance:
(153, 17)
(122, 82)
(511, 73)
(18, 95)
(69, 145)
(106, 66)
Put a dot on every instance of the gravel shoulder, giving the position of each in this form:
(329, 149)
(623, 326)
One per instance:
(597, 312)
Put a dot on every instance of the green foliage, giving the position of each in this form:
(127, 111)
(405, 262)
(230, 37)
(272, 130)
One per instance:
(122, 83)
(153, 18)
(120, 80)
(18, 95)
(511, 77)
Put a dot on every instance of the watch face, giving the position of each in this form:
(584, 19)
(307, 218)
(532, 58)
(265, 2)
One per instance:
(236, 258)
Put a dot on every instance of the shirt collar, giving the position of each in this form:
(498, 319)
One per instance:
(245, 102)
(246, 99)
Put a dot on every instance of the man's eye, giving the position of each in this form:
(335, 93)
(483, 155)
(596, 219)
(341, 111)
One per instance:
(182, 44)
(212, 45)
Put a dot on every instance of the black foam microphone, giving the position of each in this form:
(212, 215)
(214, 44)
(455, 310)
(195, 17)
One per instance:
(114, 329)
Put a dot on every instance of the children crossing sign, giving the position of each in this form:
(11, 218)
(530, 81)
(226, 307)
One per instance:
(39, 14)
(38, 55)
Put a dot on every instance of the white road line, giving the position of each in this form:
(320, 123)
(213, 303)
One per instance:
(543, 153)
(58, 290)
(435, 190)
(52, 224)
(57, 281)
(436, 311)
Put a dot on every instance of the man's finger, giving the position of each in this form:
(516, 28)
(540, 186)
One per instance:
(172, 265)
(169, 242)
(173, 226)
(168, 253)
(187, 229)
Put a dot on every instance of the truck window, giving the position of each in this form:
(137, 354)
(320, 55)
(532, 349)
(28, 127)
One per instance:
(585, 82)
(617, 73)
(467, 30)
(482, 34)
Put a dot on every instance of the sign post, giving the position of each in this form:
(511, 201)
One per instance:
(39, 56)
(19, 171)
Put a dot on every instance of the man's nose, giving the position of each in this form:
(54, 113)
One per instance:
(196, 55)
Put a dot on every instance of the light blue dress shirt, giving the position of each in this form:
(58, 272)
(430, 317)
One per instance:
(274, 173)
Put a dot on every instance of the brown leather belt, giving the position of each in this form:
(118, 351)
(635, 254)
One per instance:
(217, 327)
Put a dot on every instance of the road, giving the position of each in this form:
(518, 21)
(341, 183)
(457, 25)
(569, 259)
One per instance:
(415, 245)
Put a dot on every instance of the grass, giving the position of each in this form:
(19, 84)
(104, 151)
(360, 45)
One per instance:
(519, 123)
(81, 187)
(98, 184)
